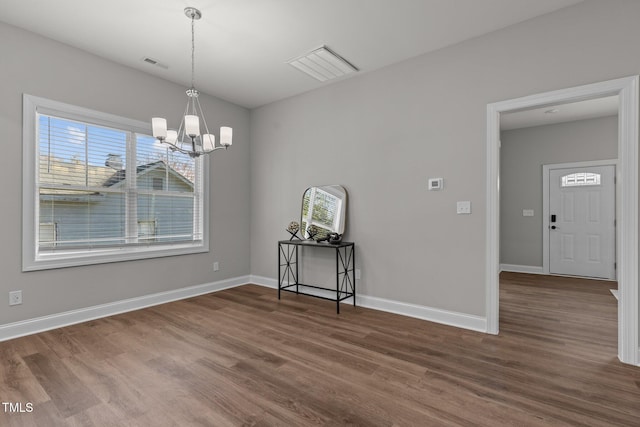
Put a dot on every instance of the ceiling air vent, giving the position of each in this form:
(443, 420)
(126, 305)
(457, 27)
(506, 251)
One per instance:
(154, 62)
(322, 64)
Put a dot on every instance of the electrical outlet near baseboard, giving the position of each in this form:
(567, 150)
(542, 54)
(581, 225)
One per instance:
(358, 274)
(15, 297)
(216, 266)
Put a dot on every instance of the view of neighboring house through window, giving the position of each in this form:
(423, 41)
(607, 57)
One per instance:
(158, 183)
(109, 188)
(48, 235)
(75, 188)
(147, 230)
(321, 209)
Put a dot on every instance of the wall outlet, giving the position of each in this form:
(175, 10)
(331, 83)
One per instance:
(527, 212)
(463, 208)
(358, 274)
(15, 297)
(216, 266)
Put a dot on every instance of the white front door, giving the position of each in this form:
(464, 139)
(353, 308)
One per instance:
(582, 222)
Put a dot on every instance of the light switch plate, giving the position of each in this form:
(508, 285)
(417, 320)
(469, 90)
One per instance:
(463, 208)
(527, 212)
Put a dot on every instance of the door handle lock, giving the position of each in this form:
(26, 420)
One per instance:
(553, 227)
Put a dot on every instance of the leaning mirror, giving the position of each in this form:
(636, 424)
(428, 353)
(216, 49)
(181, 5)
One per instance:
(324, 211)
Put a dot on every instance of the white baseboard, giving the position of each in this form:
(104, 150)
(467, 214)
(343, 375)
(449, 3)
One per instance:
(445, 317)
(45, 323)
(531, 269)
(59, 320)
(263, 281)
(451, 318)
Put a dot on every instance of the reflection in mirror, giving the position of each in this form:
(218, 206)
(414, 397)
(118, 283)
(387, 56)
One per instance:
(325, 208)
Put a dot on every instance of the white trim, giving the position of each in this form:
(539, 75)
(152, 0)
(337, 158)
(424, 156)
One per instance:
(445, 317)
(627, 245)
(58, 320)
(545, 200)
(492, 256)
(531, 269)
(108, 255)
(628, 224)
(267, 282)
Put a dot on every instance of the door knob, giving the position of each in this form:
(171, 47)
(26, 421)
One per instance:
(553, 227)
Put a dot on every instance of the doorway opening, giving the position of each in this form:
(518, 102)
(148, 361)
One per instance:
(626, 89)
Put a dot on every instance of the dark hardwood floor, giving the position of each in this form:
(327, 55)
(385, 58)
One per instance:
(241, 357)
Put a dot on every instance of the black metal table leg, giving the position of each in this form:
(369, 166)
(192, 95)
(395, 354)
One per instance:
(353, 285)
(337, 282)
(288, 255)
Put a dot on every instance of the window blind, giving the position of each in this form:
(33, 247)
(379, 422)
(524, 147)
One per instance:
(97, 188)
(105, 187)
(76, 187)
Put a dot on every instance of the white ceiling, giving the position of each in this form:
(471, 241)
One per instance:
(583, 110)
(242, 45)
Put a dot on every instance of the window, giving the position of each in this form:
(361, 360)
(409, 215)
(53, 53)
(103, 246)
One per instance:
(158, 184)
(99, 189)
(580, 179)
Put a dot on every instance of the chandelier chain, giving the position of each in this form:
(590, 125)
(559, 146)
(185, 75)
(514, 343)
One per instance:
(189, 139)
(193, 51)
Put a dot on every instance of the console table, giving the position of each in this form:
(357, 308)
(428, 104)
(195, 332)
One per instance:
(288, 274)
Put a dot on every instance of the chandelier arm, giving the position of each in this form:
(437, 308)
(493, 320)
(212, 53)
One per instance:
(183, 151)
(204, 120)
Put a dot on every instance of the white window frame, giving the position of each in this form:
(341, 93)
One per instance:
(31, 258)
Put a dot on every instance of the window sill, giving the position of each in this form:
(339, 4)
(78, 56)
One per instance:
(74, 258)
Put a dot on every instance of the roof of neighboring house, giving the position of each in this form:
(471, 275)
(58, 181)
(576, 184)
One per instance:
(72, 173)
(120, 175)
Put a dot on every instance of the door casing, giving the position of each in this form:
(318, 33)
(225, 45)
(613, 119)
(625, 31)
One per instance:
(627, 215)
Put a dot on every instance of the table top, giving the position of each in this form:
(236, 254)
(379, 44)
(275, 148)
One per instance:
(315, 244)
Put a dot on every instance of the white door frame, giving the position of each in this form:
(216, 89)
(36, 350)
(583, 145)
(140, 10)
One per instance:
(627, 216)
(545, 201)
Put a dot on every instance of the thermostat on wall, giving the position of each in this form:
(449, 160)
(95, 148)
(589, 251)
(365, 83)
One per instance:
(435, 184)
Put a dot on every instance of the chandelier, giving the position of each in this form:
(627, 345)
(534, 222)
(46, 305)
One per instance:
(189, 139)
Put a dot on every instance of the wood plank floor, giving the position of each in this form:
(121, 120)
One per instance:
(240, 357)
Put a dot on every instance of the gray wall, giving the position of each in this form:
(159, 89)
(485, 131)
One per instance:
(522, 154)
(38, 66)
(384, 133)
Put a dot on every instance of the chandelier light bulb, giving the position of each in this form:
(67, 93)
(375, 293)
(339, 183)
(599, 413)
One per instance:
(159, 126)
(172, 137)
(192, 125)
(208, 142)
(226, 136)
